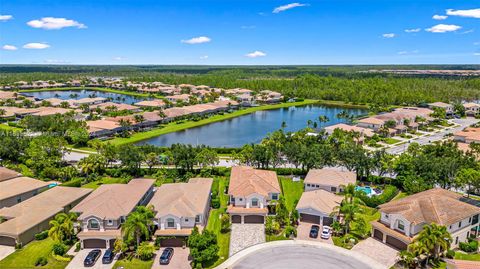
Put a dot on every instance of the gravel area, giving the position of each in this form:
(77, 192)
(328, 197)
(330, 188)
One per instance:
(246, 235)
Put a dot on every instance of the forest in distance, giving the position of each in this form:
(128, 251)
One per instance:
(351, 84)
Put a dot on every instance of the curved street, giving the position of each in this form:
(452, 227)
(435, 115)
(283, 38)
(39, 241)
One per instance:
(298, 254)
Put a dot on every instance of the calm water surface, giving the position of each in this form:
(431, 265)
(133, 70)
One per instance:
(251, 128)
(64, 95)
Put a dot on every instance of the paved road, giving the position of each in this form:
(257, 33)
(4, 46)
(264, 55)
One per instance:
(434, 137)
(304, 256)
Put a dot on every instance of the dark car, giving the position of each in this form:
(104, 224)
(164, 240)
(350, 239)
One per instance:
(92, 257)
(314, 231)
(166, 256)
(108, 256)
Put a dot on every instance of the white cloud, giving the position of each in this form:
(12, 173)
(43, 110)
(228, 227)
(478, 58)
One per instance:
(404, 52)
(51, 23)
(204, 57)
(477, 54)
(5, 17)
(36, 46)
(118, 58)
(389, 35)
(468, 13)
(476, 43)
(9, 47)
(287, 7)
(467, 32)
(443, 28)
(197, 40)
(53, 61)
(439, 17)
(414, 30)
(256, 54)
(248, 27)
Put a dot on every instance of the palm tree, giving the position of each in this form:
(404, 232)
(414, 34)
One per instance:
(432, 240)
(2, 112)
(284, 125)
(138, 224)
(61, 226)
(139, 118)
(323, 119)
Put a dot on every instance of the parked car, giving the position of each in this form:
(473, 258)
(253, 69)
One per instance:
(326, 232)
(92, 258)
(314, 231)
(108, 256)
(166, 256)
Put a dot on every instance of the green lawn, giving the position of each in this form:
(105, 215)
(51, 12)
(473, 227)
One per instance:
(369, 214)
(223, 239)
(292, 191)
(104, 180)
(174, 126)
(133, 264)
(390, 140)
(10, 128)
(26, 257)
(400, 195)
(469, 257)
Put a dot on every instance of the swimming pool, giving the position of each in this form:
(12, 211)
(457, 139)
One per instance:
(365, 189)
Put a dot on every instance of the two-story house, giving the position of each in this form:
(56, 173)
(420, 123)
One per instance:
(103, 212)
(179, 207)
(401, 220)
(472, 109)
(329, 179)
(448, 107)
(253, 193)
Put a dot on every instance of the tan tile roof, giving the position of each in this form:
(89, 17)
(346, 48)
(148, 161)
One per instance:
(471, 105)
(440, 104)
(182, 199)
(119, 107)
(386, 230)
(319, 200)
(27, 214)
(243, 210)
(435, 205)
(350, 128)
(7, 95)
(462, 264)
(108, 233)
(48, 111)
(247, 180)
(151, 103)
(111, 201)
(6, 174)
(174, 232)
(371, 120)
(102, 125)
(330, 177)
(16, 186)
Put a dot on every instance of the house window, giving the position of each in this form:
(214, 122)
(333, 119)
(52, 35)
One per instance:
(254, 202)
(110, 222)
(386, 216)
(232, 199)
(333, 189)
(459, 224)
(456, 240)
(19, 199)
(93, 224)
(122, 219)
(170, 223)
(308, 185)
(186, 219)
(401, 225)
(317, 186)
(274, 196)
(240, 199)
(197, 218)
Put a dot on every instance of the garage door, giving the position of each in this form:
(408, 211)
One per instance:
(253, 219)
(7, 241)
(94, 243)
(236, 219)
(327, 221)
(310, 218)
(394, 242)
(378, 235)
(172, 242)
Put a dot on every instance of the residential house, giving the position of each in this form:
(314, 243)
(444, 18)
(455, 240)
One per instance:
(317, 206)
(185, 98)
(179, 207)
(99, 128)
(155, 103)
(448, 107)
(401, 220)
(471, 109)
(103, 212)
(329, 179)
(252, 193)
(468, 135)
(22, 221)
(117, 107)
(15, 188)
(362, 132)
(371, 123)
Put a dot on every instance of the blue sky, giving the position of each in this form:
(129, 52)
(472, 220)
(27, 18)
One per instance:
(240, 32)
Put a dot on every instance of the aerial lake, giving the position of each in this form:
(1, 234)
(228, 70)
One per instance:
(78, 94)
(253, 127)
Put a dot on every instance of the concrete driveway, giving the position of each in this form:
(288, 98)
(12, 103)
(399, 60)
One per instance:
(5, 251)
(378, 251)
(179, 260)
(303, 233)
(77, 261)
(245, 235)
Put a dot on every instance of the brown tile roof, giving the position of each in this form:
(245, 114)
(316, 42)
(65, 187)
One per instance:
(330, 177)
(247, 180)
(102, 125)
(243, 210)
(182, 199)
(108, 233)
(371, 120)
(27, 214)
(320, 200)
(350, 128)
(48, 111)
(462, 264)
(16, 186)
(6, 174)
(440, 104)
(174, 232)
(435, 205)
(111, 201)
(151, 103)
(120, 107)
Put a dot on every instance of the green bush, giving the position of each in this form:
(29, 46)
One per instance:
(471, 246)
(59, 249)
(77, 247)
(77, 182)
(450, 254)
(388, 193)
(290, 230)
(41, 261)
(41, 235)
(215, 203)
(145, 251)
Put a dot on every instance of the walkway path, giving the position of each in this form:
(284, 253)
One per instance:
(245, 235)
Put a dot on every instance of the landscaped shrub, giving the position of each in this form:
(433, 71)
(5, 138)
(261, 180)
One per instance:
(289, 171)
(77, 247)
(388, 193)
(271, 226)
(77, 182)
(59, 249)
(471, 246)
(224, 223)
(41, 261)
(145, 251)
(450, 254)
(41, 235)
(290, 230)
(215, 203)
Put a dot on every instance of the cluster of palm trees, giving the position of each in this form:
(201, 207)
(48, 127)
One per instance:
(430, 243)
(138, 225)
(349, 208)
(61, 227)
